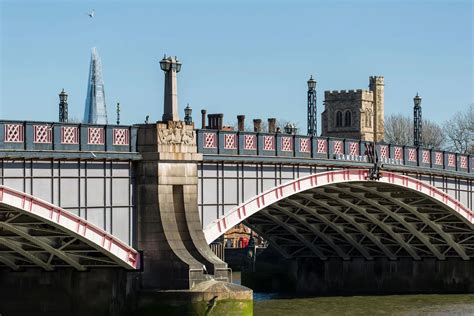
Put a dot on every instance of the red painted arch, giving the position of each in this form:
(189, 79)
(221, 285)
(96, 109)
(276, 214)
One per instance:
(121, 253)
(239, 213)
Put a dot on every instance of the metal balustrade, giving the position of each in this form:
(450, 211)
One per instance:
(54, 136)
(233, 143)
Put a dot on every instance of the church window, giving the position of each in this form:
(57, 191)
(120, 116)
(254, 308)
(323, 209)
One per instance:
(347, 118)
(338, 118)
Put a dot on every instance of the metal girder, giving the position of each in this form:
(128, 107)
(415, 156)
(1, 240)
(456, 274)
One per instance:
(385, 227)
(314, 230)
(447, 238)
(36, 241)
(12, 245)
(275, 245)
(9, 263)
(338, 229)
(293, 232)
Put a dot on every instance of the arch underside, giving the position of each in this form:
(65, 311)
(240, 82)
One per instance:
(34, 233)
(366, 219)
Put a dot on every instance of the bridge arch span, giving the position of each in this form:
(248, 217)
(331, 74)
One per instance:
(343, 214)
(35, 233)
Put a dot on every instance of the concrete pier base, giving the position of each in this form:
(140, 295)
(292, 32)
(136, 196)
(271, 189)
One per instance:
(208, 298)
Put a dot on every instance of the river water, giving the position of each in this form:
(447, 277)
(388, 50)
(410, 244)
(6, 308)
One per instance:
(266, 304)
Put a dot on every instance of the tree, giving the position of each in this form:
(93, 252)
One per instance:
(399, 131)
(460, 131)
(432, 135)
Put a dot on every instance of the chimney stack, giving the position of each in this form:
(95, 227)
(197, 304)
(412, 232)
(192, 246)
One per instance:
(215, 121)
(257, 123)
(241, 123)
(203, 118)
(272, 125)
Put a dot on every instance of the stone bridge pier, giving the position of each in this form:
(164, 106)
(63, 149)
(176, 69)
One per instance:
(178, 266)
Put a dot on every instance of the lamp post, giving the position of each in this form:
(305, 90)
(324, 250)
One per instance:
(312, 125)
(417, 121)
(171, 66)
(188, 112)
(63, 115)
(118, 113)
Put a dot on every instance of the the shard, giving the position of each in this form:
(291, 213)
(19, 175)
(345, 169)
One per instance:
(95, 110)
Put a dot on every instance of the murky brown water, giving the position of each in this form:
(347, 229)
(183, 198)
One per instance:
(452, 305)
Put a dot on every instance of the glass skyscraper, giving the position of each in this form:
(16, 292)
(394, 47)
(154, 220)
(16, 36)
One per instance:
(95, 110)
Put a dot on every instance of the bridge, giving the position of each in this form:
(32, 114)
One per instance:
(312, 198)
(75, 195)
(132, 210)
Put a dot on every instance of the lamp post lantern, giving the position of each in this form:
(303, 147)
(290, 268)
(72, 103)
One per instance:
(290, 128)
(188, 112)
(171, 66)
(63, 111)
(312, 125)
(417, 121)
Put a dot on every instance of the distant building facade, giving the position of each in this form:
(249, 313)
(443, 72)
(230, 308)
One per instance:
(356, 114)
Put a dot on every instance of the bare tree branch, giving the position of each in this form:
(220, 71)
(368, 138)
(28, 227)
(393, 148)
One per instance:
(399, 131)
(460, 131)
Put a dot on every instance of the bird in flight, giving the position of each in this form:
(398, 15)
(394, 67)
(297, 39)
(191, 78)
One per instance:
(91, 14)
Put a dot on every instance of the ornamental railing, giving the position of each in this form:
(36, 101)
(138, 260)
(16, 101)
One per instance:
(39, 136)
(232, 143)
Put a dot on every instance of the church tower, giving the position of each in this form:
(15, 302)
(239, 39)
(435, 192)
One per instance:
(376, 85)
(355, 114)
(95, 111)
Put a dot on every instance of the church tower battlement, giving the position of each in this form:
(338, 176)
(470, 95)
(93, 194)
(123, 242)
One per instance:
(356, 114)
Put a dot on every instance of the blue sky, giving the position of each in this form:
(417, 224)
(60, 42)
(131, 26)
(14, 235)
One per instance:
(239, 57)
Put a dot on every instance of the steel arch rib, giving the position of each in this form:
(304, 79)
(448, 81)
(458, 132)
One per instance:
(274, 244)
(13, 246)
(400, 220)
(379, 223)
(356, 225)
(58, 253)
(293, 232)
(9, 263)
(122, 254)
(447, 238)
(315, 231)
(255, 204)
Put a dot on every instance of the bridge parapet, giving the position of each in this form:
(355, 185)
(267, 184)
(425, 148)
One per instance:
(234, 143)
(35, 136)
